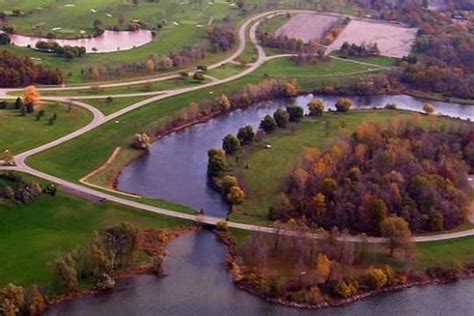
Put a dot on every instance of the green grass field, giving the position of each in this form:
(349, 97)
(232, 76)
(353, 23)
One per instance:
(41, 16)
(428, 254)
(134, 88)
(19, 133)
(444, 252)
(31, 235)
(107, 107)
(71, 161)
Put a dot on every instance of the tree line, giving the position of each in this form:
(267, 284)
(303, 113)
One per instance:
(18, 71)
(66, 51)
(406, 170)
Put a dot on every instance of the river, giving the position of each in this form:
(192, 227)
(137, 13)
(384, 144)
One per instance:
(108, 42)
(197, 282)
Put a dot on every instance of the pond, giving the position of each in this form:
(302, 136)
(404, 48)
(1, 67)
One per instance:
(108, 42)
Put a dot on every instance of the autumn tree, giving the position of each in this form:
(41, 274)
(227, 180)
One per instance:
(319, 206)
(36, 302)
(99, 261)
(343, 105)
(376, 210)
(236, 195)
(121, 243)
(428, 108)
(323, 268)
(8, 158)
(31, 96)
(316, 107)
(141, 141)
(65, 272)
(397, 232)
(292, 89)
(231, 144)
(223, 102)
(12, 299)
(377, 278)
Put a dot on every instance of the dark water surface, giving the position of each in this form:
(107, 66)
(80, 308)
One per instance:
(198, 282)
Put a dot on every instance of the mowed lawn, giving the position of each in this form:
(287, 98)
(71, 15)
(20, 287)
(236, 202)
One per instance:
(132, 88)
(263, 172)
(109, 106)
(44, 15)
(78, 157)
(19, 133)
(32, 234)
(445, 252)
(41, 16)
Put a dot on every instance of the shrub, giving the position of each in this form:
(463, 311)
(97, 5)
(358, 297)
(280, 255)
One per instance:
(222, 226)
(343, 105)
(296, 113)
(282, 118)
(316, 107)
(268, 124)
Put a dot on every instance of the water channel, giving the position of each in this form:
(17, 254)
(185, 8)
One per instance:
(197, 282)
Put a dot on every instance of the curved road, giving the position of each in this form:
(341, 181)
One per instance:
(99, 119)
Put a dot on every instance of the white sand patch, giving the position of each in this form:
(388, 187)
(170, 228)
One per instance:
(392, 40)
(307, 27)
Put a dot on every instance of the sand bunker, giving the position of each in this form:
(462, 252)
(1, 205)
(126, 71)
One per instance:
(307, 27)
(392, 40)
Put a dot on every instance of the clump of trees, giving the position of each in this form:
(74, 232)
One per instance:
(182, 58)
(15, 300)
(141, 141)
(353, 50)
(222, 37)
(19, 71)
(5, 39)
(107, 252)
(17, 190)
(404, 170)
(66, 51)
(218, 171)
(316, 270)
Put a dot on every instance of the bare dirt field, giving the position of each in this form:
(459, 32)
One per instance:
(392, 40)
(307, 27)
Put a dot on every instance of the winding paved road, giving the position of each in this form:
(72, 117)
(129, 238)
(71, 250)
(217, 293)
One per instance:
(99, 119)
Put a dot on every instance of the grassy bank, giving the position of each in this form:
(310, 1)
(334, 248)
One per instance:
(32, 234)
(109, 106)
(20, 133)
(71, 161)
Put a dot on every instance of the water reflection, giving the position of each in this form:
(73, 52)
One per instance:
(108, 42)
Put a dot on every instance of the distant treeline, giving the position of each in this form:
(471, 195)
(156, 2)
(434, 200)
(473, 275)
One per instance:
(20, 71)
